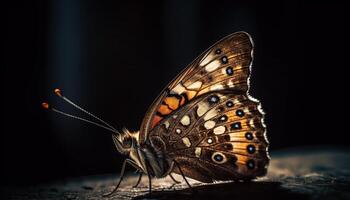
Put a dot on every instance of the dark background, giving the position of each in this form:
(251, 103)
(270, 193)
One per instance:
(114, 57)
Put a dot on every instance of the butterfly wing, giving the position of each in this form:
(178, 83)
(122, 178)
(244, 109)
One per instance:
(206, 120)
(224, 66)
(218, 136)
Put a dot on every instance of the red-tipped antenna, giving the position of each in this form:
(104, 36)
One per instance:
(59, 94)
(45, 105)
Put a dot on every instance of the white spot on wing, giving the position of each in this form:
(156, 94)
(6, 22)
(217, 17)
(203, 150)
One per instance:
(236, 101)
(209, 124)
(167, 124)
(178, 89)
(223, 70)
(230, 84)
(195, 85)
(251, 123)
(238, 67)
(202, 108)
(212, 66)
(185, 120)
(219, 130)
(198, 151)
(216, 87)
(186, 141)
(212, 113)
(206, 59)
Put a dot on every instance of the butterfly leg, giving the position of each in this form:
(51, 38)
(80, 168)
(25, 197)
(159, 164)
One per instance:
(183, 176)
(139, 180)
(149, 184)
(121, 175)
(176, 181)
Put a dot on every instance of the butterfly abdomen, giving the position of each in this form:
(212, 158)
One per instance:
(153, 154)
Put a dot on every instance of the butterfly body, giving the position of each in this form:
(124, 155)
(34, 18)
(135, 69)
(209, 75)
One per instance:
(145, 157)
(204, 124)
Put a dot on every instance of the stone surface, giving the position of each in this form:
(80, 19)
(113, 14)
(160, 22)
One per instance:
(322, 173)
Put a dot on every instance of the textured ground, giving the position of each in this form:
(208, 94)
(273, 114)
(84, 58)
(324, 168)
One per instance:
(294, 174)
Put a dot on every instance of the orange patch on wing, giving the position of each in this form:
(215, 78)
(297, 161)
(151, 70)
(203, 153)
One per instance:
(241, 159)
(190, 94)
(182, 102)
(172, 102)
(164, 110)
(156, 120)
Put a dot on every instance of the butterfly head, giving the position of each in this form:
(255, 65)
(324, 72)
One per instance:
(126, 141)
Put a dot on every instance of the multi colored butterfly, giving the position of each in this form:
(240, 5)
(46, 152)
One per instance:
(204, 125)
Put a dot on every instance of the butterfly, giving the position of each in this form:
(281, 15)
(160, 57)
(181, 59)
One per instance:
(204, 125)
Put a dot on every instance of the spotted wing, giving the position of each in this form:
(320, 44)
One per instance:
(224, 66)
(219, 136)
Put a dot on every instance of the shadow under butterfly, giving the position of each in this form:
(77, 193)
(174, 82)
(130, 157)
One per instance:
(268, 190)
(203, 125)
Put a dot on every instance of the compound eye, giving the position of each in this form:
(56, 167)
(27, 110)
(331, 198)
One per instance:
(127, 142)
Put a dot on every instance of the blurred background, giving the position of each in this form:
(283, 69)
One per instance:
(114, 57)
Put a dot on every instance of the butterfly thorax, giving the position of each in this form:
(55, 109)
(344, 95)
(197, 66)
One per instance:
(149, 159)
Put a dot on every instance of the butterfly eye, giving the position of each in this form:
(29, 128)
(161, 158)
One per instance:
(127, 142)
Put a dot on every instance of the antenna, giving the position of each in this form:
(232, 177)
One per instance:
(105, 125)
(59, 94)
